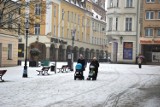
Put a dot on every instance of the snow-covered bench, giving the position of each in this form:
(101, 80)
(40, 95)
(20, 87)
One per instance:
(44, 70)
(64, 68)
(2, 72)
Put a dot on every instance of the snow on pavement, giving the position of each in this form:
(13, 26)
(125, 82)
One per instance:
(117, 85)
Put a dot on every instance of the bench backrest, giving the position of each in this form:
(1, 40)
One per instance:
(45, 68)
(2, 72)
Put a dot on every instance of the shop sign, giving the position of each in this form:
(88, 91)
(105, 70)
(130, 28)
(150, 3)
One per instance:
(127, 50)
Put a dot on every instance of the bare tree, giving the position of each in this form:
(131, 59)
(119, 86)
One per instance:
(13, 14)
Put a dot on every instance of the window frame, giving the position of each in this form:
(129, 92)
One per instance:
(37, 9)
(150, 1)
(149, 32)
(158, 32)
(150, 15)
(37, 29)
(10, 51)
(128, 24)
(129, 3)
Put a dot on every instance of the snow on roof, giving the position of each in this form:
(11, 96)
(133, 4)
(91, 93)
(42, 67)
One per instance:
(96, 15)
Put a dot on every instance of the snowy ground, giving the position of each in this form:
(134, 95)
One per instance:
(118, 85)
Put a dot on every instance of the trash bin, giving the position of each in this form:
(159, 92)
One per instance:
(52, 67)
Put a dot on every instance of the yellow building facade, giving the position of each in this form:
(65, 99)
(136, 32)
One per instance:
(63, 20)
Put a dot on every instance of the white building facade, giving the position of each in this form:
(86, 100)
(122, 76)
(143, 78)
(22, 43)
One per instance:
(122, 30)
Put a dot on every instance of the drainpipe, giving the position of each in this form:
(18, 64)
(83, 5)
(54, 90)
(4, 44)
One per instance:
(137, 29)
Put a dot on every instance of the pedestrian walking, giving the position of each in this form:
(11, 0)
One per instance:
(82, 61)
(95, 63)
(140, 60)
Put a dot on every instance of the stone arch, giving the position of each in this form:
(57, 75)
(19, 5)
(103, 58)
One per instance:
(97, 54)
(60, 53)
(75, 52)
(81, 51)
(87, 54)
(92, 53)
(52, 52)
(69, 50)
(41, 47)
(101, 54)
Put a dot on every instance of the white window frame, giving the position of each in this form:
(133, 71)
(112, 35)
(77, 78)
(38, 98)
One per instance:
(55, 11)
(37, 9)
(148, 32)
(62, 14)
(111, 3)
(37, 29)
(158, 14)
(158, 32)
(128, 24)
(149, 15)
(129, 3)
(10, 51)
(110, 24)
(150, 1)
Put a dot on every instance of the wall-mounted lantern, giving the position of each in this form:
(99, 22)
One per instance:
(121, 38)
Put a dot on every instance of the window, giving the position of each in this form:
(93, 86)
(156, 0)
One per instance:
(37, 29)
(116, 24)
(37, 9)
(117, 3)
(150, 1)
(62, 14)
(62, 32)
(9, 51)
(129, 3)
(128, 24)
(54, 30)
(148, 32)
(110, 24)
(149, 14)
(68, 16)
(55, 11)
(78, 19)
(159, 15)
(10, 20)
(158, 32)
(111, 3)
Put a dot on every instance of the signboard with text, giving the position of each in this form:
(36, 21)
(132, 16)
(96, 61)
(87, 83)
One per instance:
(128, 50)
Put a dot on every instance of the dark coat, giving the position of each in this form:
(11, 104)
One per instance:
(95, 63)
(83, 62)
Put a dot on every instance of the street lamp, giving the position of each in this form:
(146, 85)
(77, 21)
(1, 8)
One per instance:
(25, 75)
(73, 37)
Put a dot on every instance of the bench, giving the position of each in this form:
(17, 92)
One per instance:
(44, 70)
(64, 68)
(2, 72)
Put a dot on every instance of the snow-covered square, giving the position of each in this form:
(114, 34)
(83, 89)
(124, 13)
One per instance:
(117, 85)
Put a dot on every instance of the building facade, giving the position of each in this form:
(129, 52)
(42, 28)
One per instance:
(122, 30)
(150, 30)
(67, 24)
(8, 36)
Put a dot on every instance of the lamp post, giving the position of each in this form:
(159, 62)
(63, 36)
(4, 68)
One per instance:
(25, 75)
(73, 37)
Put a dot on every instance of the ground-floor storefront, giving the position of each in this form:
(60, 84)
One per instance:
(123, 49)
(151, 53)
(60, 49)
